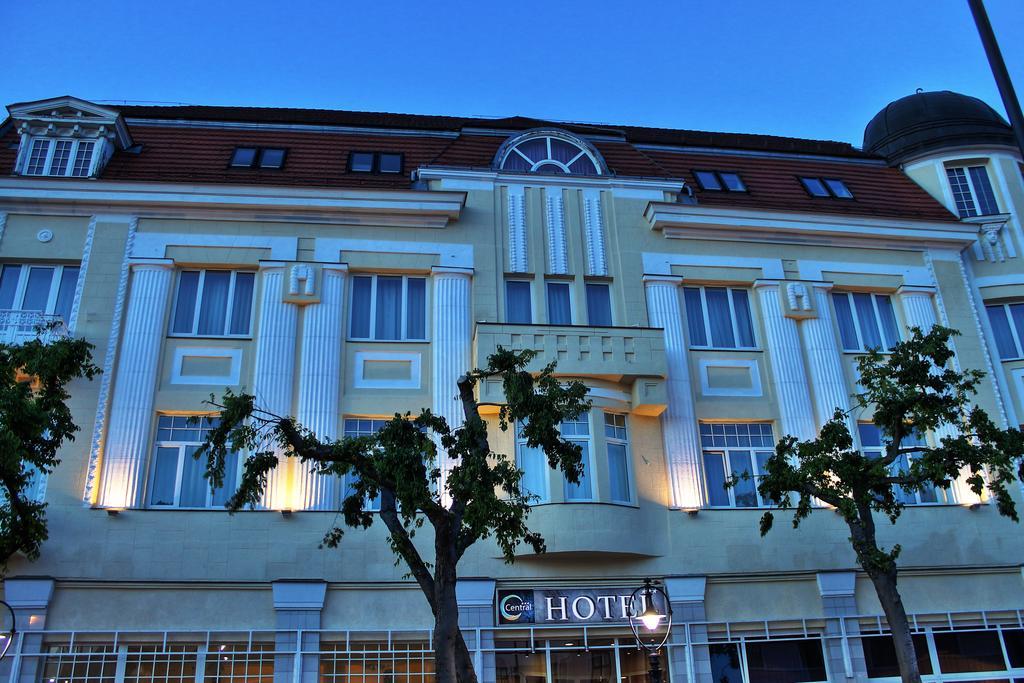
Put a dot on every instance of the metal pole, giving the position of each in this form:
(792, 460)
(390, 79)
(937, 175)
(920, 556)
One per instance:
(999, 72)
(655, 673)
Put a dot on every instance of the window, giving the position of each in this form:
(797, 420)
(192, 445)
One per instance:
(972, 191)
(570, 659)
(785, 661)
(518, 302)
(534, 465)
(361, 427)
(866, 321)
(375, 162)
(559, 306)
(599, 305)
(718, 181)
(1007, 322)
(718, 315)
(177, 477)
(213, 303)
(873, 446)
(262, 157)
(48, 289)
(64, 157)
(389, 308)
(616, 439)
(826, 187)
(548, 153)
(880, 655)
(578, 432)
(735, 449)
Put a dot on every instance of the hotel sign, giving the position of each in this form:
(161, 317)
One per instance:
(569, 606)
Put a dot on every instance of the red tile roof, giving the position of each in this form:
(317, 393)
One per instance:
(177, 146)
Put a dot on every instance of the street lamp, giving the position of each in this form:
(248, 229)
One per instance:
(647, 616)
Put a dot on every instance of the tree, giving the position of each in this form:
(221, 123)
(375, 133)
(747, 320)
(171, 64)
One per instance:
(35, 421)
(910, 391)
(400, 468)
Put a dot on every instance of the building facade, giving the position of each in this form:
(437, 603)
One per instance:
(712, 290)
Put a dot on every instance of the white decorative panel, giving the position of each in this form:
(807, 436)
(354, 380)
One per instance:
(206, 365)
(517, 250)
(729, 377)
(594, 233)
(558, 257)
(385, 370)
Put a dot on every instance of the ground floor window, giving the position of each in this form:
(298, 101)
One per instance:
(376, 662)
(770, 661)
(216, 662)
(569, 660)
(994, 652)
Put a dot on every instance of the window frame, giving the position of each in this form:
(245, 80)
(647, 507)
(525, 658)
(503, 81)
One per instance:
(625, 443)
(589, 471)
(949, 493)
(404, 313)
(257, 158)
(51, 298)
(375, 166)
(732, 319)
(568, 292)
(856, 320)
(520, 444)
(607, 287)
(180, 467)
(199, 302)
(542, 165)
(533, 306)
(52, 143)
(1014, 334)
(725, 452)
(824, 182)
(719, 176)
(972, 190)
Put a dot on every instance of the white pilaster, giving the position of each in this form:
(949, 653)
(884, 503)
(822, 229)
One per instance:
(320, 380)
(679, 421)
(825, 360)
(558, 257)
(274, 374)
(787, 362)
(131, 411)
(451, 348)
(593, 231)
(919, 311)
(516, 211)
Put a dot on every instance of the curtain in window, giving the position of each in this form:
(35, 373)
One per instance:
(221, 495)
(559, 312)
(66, 292)
(866, 318)
(8, 286)
(719, 317)
(213, 311)
(694, 317)
(165, 471)
(37, 291)
(534, 465)
(844, 316)
(185, 306)
(389, 308)
(359, 323)
(618, 472)
(714, 477)
(517, 302)
(416, 309)
(745, 490)
(581, 491)
(241, 306)
(193, 485)
(599, 305)
(744, 326)
(890, 330)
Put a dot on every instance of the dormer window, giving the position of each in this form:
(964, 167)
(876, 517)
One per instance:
(549, 151)
(60, 157)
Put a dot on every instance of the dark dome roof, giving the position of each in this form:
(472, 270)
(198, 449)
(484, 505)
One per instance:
(927, 121)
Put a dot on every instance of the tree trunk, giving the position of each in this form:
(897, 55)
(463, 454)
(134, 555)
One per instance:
(464, 668)
(896, 616)
(452, 660)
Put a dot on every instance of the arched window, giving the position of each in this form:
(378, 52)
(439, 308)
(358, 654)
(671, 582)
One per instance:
(549, 151)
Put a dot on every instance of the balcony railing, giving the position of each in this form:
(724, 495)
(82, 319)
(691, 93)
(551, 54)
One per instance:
(18, 327)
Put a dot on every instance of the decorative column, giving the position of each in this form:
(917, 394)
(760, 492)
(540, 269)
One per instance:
(558, 256)
(517, 242)
(131, 411)
(274, 375)
(824, 359)
(451, 350)
(679, 421)
(919, 311)
(320, 380)
(593, 231)
(787, 363)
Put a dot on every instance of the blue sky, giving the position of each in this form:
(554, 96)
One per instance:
(806, 68)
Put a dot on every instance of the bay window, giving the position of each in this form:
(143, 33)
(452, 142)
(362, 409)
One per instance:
(46, 289)
(176, 477)
(616, 439)
(388, 308)
(866, 321)
(1007, 322)
(62, 157)
(718, 318)
(735, 449)
(873, 445)
(213, 303)
(518, 302)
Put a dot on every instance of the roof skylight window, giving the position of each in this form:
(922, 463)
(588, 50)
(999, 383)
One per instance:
(826, 187)
(244, 157)
(720, 181)
(258, 157)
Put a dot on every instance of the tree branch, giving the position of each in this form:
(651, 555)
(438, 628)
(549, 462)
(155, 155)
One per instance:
(404, 546)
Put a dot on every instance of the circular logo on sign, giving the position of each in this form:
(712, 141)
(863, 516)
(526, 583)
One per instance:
(512, 607)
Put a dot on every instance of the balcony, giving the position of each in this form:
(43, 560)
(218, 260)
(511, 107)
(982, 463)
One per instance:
(630, 356)
(18, 327)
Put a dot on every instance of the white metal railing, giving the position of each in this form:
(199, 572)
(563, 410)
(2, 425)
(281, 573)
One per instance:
(18, 327)
(406, 656)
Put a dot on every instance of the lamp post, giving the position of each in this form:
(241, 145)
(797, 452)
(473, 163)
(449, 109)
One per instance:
(646, 616)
